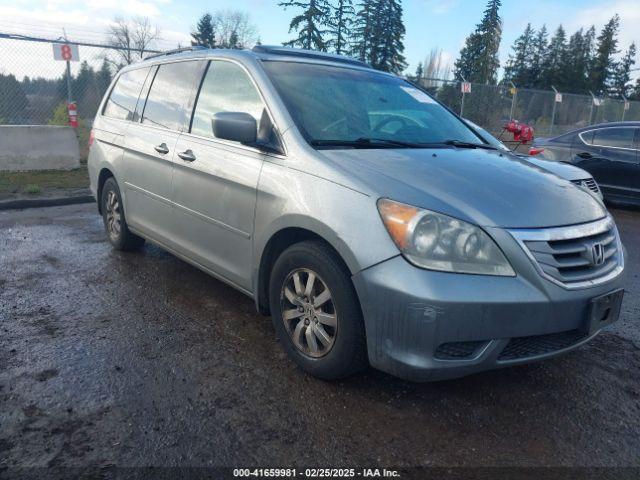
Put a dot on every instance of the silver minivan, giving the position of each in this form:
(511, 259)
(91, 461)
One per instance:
(372, 223)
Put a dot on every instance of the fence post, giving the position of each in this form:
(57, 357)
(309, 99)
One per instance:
(593, 102)
(513, 100)
(553, 110)
(624, 107)
(463, 94)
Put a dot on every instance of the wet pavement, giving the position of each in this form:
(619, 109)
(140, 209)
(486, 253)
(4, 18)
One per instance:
(132, 359)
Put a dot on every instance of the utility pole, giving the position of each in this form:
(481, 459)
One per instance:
(513, 100)
(625, 105)
(464, 83)
(553, 111)
(69, 96)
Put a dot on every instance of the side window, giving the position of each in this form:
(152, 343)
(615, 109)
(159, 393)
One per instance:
(587, 137)
(614, 137)
(124, 95)
(172, 89)
(228, 88)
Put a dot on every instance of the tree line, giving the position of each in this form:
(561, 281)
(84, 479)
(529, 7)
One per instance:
(586, 61)
(33, 100)
(580, 63)
(373, 32)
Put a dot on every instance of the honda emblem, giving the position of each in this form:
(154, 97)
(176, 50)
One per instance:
(597, 254)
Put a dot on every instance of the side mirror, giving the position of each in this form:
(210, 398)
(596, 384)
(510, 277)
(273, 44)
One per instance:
(235, 126)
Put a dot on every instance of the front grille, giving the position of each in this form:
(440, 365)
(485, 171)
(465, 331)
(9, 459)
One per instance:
(457, 350)
(575, 256)
(524, 347)
(589, 183)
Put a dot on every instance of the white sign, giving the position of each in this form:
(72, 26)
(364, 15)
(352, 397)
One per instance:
(65, 52)
(465, 87)
(627, 105)
(558, 98)
(418, 95)
(597, 101)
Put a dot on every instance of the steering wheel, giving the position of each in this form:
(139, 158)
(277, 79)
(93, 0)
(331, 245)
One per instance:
(405, 122)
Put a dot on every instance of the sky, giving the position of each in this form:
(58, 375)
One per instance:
(441, 24)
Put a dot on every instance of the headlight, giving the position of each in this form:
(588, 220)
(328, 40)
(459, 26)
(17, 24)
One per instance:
(438, 242)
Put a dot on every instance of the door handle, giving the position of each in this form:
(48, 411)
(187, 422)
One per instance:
(187, 156)
(585, 155)
(162, 149)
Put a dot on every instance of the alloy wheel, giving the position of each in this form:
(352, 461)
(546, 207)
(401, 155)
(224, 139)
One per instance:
(114, 216)
(308, 313)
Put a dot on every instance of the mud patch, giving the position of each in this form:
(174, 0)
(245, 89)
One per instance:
(45, 375)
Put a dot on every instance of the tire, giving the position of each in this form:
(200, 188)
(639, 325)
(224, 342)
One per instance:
(115, 224)
(322, 350)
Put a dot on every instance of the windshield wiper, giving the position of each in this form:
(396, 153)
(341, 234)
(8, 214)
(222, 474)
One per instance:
(461, 144)
(365, 142)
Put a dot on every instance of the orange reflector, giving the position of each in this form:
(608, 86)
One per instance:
(397, 217)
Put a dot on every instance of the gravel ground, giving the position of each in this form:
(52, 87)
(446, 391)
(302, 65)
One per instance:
(138, 359)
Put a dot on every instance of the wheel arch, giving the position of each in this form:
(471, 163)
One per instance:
(103, 176)
(283, 238)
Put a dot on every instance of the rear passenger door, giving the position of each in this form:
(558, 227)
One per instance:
(215, 180)
(150, 147)
(609, 154)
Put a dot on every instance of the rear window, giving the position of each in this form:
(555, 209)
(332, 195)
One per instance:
(614, 137)
(168, 104)
(124, 96)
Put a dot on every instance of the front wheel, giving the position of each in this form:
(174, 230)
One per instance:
(316, 313)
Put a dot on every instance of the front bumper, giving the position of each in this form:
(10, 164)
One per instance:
(424, 325)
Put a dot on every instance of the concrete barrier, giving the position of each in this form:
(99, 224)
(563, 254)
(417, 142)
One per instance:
(38, 147)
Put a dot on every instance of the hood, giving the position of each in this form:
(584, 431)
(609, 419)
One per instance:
(484, 187)
(563, 170)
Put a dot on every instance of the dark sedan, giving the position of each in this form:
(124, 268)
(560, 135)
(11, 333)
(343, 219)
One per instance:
(609, 151)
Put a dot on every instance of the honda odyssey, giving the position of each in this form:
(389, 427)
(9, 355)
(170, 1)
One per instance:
(370, 222)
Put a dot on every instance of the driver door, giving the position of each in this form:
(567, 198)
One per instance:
(215, 180)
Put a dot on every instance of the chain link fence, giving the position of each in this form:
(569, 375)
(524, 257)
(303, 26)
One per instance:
(34, 88)
(34, 91)
(548, 112)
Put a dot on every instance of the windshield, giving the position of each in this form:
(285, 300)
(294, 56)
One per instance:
(342, 107)
(490, 139)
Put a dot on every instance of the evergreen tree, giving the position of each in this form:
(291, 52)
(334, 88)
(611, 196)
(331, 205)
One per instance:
(478, 61)
(603, 65)
(340, 26)
(387, 52)
(310, 24)
(205, 32)
(518, 67)
(538, 55)
(364, 25)
(621, 86)
(555, 62)
(378, 35)
(579, 53)
(103, 77)
(13, 100)
(419, 72)
(234, 41)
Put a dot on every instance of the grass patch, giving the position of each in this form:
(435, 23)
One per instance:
(32, 189)
(42, 181)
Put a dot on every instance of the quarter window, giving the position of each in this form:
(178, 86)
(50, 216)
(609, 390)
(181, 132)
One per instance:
(124, 96)
(614, 137)
(169, 99)
(227, 88)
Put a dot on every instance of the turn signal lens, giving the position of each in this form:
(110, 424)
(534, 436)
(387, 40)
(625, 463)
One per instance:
(91, 137)
(397, 217)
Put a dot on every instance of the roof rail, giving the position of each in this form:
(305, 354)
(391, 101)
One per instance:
(299, 52)
(193, 48)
